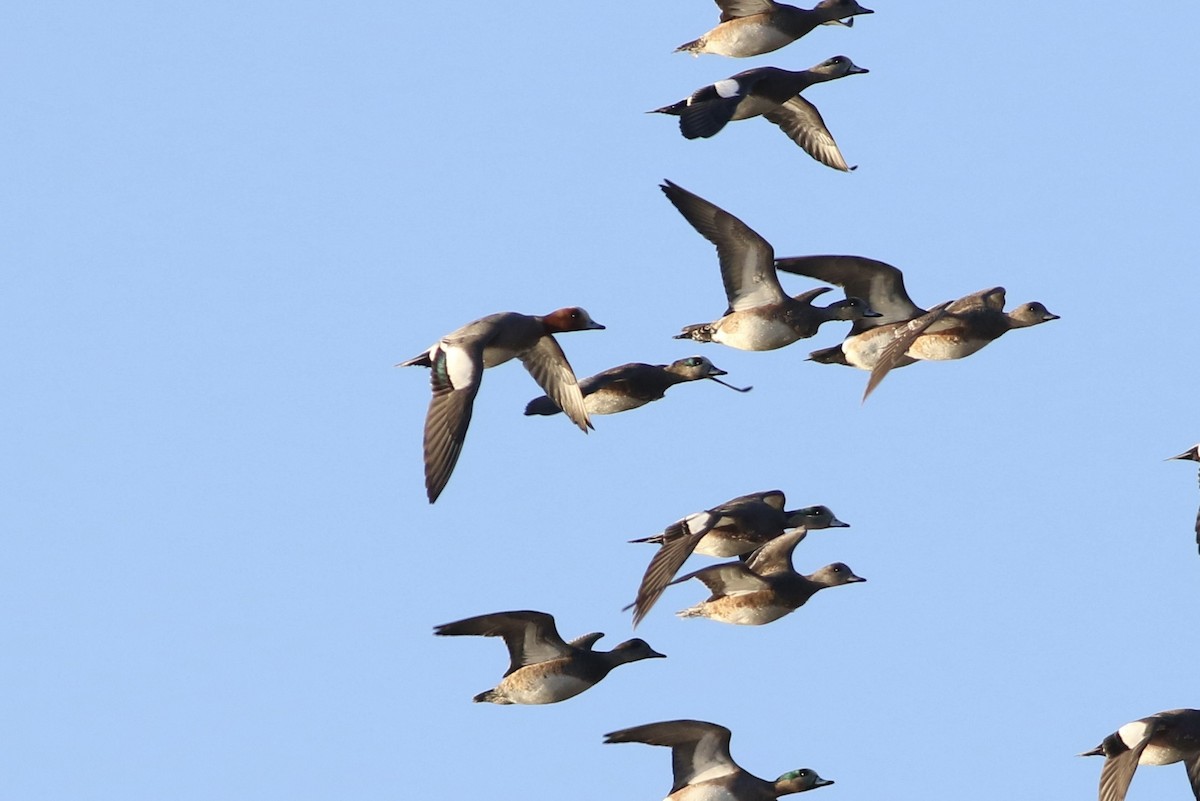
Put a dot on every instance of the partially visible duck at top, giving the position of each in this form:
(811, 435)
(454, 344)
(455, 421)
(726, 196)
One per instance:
(629, 386)
(543, 668)
(734, 528)
(457, 362)
(952, 330)
(754, 27)
(704, 770)
(772, 93)
(1192, 454)
(760, 316)
(764, 588)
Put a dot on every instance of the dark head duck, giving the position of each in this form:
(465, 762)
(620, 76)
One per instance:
(544, 669)
(772, 93)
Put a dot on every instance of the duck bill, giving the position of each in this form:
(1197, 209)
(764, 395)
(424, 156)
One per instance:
(855, 580)
(857, 70)
(835, 523)
(823, 782)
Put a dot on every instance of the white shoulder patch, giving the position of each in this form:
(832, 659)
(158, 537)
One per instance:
(1133, 733)
(460, 367)
(728, 88)
(697, 522)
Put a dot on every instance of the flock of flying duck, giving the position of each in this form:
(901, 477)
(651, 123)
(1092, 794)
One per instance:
(888, 331)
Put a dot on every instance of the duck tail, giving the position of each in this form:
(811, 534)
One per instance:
(490, 697)
(695, 47)
(701, 332)
(691, 611)
(834, 355)
(418, 361)
(675, 109)
(543, 406)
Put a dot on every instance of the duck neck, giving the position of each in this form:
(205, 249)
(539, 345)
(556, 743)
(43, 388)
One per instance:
(799, 21)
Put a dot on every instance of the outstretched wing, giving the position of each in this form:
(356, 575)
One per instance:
(531, 636)
(549, 367)
(727, 578)
(747, 260)
(678, 542)
(454, 376)
(699, 750)
(801, 121)
(896, 349)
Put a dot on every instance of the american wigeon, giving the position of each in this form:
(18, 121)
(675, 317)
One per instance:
(950, 330)
(457, 362)
(754, 27)
(703, 768)
(956, 330)
(760, 316)
(764, 588)
(629, 386)
(881, 285)
(1161, 739)
(1192, 454)
(772, 93)
(734, 528)
(544, 669)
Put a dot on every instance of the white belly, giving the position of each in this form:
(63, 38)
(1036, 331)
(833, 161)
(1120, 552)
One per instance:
(746, 331)
(864, 350)
(746, 609)
(1155, 755)
(722, 547)
(546, 690)
(937, 347)
(747, 36)
(702, 792)
(607, 402)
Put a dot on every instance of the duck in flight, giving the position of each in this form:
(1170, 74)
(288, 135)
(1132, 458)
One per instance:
(457, 362)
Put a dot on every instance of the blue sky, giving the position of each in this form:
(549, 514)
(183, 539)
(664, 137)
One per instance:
(224, 223)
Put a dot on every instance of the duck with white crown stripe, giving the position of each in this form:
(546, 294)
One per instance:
(772, 93)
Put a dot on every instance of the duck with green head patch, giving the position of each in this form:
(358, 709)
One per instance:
(703, 768)
(633, 385)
